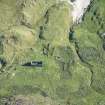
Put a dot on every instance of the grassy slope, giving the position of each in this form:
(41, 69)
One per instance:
(64, 76)
(90, 47)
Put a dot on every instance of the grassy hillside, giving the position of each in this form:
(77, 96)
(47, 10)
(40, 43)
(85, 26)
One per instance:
(73, 64)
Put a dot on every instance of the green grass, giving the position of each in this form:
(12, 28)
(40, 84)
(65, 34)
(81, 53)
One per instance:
(72, 73)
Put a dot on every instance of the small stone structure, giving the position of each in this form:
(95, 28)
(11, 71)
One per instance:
(34, 64)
